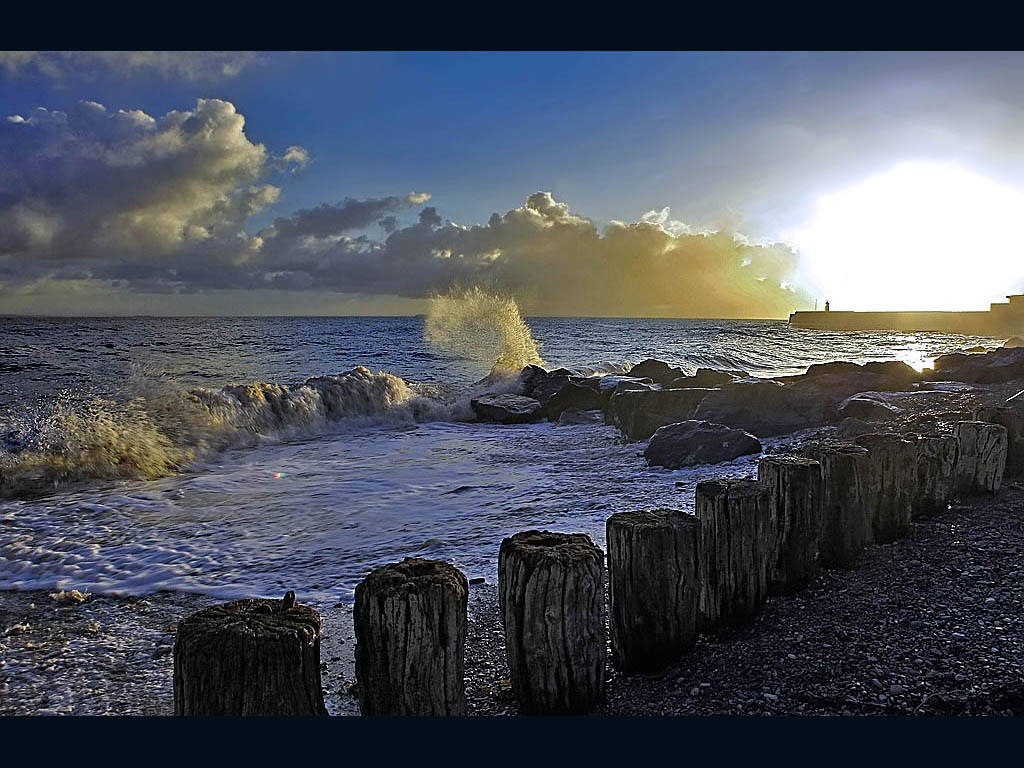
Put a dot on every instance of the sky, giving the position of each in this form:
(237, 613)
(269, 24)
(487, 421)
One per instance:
(700, 184)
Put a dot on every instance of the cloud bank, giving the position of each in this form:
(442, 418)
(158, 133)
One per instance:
(146, 205)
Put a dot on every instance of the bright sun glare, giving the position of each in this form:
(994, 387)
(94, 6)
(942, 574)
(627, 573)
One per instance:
(919, 236)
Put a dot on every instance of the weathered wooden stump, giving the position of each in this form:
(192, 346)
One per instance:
(734, 552)
(891, 486)
(410, 622)
(980, 457)
(936, 474)
(249, 657)
(1012, 419)
(793, 485)
(652, 583)
(845, 511)
(551, 591)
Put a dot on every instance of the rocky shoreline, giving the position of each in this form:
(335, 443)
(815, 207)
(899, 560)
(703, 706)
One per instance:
(927, 624)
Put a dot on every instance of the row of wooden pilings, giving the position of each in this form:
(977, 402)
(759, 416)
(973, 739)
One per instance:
(671, 578)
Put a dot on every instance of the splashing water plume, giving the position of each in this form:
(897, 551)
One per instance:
(484, 327)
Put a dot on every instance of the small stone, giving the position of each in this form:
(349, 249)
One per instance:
(958, 636)
(771, 697)
(990, 601)
(896, 690)
(916, 624)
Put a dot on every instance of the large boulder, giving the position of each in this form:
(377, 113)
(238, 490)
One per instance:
(576, 416)
(850, 428)
(693, 442)
(506, 408)
(549, 386)
(764, 407)
(993, 367)
(657, 371)
(708, 377)
(579, 395)
(866, 408)
(530, 377)
(639, 413)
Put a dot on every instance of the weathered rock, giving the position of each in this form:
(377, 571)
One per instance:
(850, 428)
(530, 377)
(657, 371)
(576, 416)
(505, 408)
(689, 443)
(652, 586)
(901, 374)
(551, 593)
(707, 378)
(834, 367)
(936, 474)
(639, 413)
(980, 457)
(845, 512)
(866, 409)
(410, 622)
(1013, 420)
(891, 486)
(763, 407)
(547, 387)
(576, 395)
(734, 552)
(1013, 342)
(249, 657)
(793, 485)
(995, 366)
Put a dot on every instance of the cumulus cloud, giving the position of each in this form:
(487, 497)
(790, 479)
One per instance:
(183, 65)
(139, 204)
(553, 260)
(123, 195)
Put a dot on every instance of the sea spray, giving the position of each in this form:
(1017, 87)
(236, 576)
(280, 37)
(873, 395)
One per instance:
(483, 327)
(167, 427)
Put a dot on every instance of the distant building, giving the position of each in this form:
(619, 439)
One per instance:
(1002, 319)
(826, 305)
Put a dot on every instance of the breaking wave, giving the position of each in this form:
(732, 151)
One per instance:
(165, 429)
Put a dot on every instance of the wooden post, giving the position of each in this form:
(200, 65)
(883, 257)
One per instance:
(936, 474)
(891, 486)
(734, 552)
(652, 583)
(249, 657)
(793, 485)
(551, 592)
(846, 514)
(410, 622)
(1012, 419)
(980, 457)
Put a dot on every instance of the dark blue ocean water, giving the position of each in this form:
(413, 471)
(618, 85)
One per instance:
(314, 507)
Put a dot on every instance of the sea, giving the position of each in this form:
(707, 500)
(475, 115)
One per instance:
(245, 456)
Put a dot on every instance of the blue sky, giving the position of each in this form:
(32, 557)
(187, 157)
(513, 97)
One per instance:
(738, 142)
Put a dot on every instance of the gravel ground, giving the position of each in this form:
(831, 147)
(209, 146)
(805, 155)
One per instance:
(931, 624)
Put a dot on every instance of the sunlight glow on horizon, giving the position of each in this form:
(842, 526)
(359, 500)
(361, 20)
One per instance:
(920, 236)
